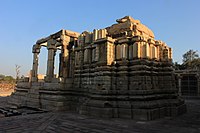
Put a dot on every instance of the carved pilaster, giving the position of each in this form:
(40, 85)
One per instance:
(137, 50)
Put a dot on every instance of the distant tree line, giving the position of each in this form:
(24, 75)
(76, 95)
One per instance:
(7, 79)
(191, 60)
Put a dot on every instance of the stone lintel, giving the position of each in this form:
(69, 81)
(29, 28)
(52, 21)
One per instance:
(158, 43)
(144, 39)
(139, 39)
(43, 40)
(77, 49)
(123, 40)
(58, 35)
(88, 46)
(58, 44)
(136, 38)
(107, 39)
(151, 41)
(52, 47)
(72, 33)
(51, 42)
(53, 36)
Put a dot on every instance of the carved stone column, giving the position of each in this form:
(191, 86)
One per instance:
(50, 62)
(36, 51)
(65, 56)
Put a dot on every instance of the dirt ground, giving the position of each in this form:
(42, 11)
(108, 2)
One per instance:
(6, 89)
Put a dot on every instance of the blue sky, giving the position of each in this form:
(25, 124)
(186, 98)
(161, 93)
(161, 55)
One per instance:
(23, 22)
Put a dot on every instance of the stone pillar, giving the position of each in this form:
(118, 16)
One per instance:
(130, 52)
(60, 65)
(137, 50)
(97, 53)
(124, 51)
(158, 52)
(152, 51)
(50, 62)
(71, 63)
(93, 54)
(179, 84)
(77, 58)
(155, 52)
(110, 53)
(65, 56)
(157, 45)
(101, 33)
(95, 35)
(86, 56)
(36, 51)
(118, 52)
(170, 53)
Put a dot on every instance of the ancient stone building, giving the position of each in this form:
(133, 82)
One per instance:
(120, 71)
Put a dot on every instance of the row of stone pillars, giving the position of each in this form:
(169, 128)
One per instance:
(51, 46)
(50, 63)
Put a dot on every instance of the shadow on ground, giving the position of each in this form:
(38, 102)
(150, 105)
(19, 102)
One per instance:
(69, 122)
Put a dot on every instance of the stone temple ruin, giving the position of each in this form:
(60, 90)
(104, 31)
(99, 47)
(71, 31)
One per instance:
(117, 72)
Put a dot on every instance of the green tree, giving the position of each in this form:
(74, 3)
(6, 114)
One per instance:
(6, 79)
(1, 76)
(9, 78)
(195, 64)
(190, 58)
(178, 66)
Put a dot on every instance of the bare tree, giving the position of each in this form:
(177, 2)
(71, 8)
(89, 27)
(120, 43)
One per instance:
(189, 56)
(17, 70)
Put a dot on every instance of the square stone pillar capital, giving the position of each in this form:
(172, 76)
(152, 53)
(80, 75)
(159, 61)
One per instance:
(36, 48)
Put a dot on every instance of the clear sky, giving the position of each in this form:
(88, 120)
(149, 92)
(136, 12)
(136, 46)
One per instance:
(23, 22)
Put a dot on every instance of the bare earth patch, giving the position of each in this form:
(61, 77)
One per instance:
(6, 89)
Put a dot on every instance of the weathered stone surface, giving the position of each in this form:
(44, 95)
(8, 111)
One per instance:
(126, 24)
(117, 72)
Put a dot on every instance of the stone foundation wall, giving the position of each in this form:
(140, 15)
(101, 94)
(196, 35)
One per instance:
(139, 89)
(142, 90)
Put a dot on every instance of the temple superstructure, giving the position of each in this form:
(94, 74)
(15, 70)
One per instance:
(119, 71)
